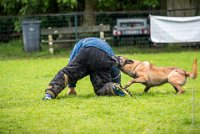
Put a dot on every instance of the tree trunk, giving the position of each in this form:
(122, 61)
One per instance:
(197, 7)
(181, 7)
(163, 5)
(89, 16)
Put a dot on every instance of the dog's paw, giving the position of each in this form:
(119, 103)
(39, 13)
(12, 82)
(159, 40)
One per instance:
(126, 86)
(180, 92)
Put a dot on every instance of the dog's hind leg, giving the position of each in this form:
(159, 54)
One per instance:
(146, 89)
(138, 80)
(177, 78)
(178, 88)
(175, 88)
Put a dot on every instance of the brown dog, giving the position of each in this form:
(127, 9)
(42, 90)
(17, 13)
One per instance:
(150, 75)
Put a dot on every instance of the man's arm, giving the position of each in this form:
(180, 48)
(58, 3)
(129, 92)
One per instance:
(72, 90)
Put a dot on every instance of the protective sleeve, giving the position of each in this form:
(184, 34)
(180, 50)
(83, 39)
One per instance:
(115, 75)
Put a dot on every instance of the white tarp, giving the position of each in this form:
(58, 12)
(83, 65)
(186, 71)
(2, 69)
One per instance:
(175, 29)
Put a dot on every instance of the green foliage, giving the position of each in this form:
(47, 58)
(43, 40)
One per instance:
(28, 7)
(24, 77)
(128, 5)
(151, 3)
(70, 3)
(10, 6)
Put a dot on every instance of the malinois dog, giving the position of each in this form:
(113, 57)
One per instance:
(150, 75)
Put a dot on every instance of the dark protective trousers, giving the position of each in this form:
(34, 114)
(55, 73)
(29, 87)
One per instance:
(89, 61)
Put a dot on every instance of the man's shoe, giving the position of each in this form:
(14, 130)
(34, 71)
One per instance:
(121, 91)
(47, 97)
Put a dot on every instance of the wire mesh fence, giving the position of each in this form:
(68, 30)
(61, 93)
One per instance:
(11, 28)
(70, 27)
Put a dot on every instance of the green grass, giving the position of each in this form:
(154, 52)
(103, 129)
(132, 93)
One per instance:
(24, 77)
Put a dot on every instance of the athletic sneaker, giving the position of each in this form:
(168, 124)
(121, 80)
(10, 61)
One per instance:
(47, 97)
(121, 91)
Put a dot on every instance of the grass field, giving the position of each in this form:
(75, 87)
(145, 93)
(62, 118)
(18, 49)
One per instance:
(24, 77)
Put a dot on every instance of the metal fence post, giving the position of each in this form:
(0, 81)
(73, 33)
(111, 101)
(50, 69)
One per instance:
(75, 27)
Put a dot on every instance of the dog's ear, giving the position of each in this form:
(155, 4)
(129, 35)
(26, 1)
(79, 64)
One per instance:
(128, 62)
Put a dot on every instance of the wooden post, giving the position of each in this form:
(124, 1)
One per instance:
(50, 38)
(101, 30)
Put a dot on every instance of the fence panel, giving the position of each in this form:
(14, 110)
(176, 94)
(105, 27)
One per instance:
(10, 26)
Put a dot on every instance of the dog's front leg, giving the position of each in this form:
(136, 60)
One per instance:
(138, 80)
(146, 89)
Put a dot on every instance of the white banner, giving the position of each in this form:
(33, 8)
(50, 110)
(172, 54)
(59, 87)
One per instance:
(175, 29)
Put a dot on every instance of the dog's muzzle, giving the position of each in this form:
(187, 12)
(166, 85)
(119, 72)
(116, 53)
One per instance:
(117, 60)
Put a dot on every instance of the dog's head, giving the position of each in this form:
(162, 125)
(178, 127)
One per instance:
(125, 65)
(124, 61)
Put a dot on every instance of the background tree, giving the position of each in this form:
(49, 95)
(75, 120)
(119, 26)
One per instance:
(90, 6)
(182, 7)
(89, 16)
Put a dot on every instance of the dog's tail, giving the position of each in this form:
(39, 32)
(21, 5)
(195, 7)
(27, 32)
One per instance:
(193, 74)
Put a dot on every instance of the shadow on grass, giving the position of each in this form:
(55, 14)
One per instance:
(85, 96)
(152, 94)
(135, 94)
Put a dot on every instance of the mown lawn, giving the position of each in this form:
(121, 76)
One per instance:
(24, 77)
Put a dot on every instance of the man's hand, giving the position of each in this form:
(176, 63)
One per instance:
(72, 91)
